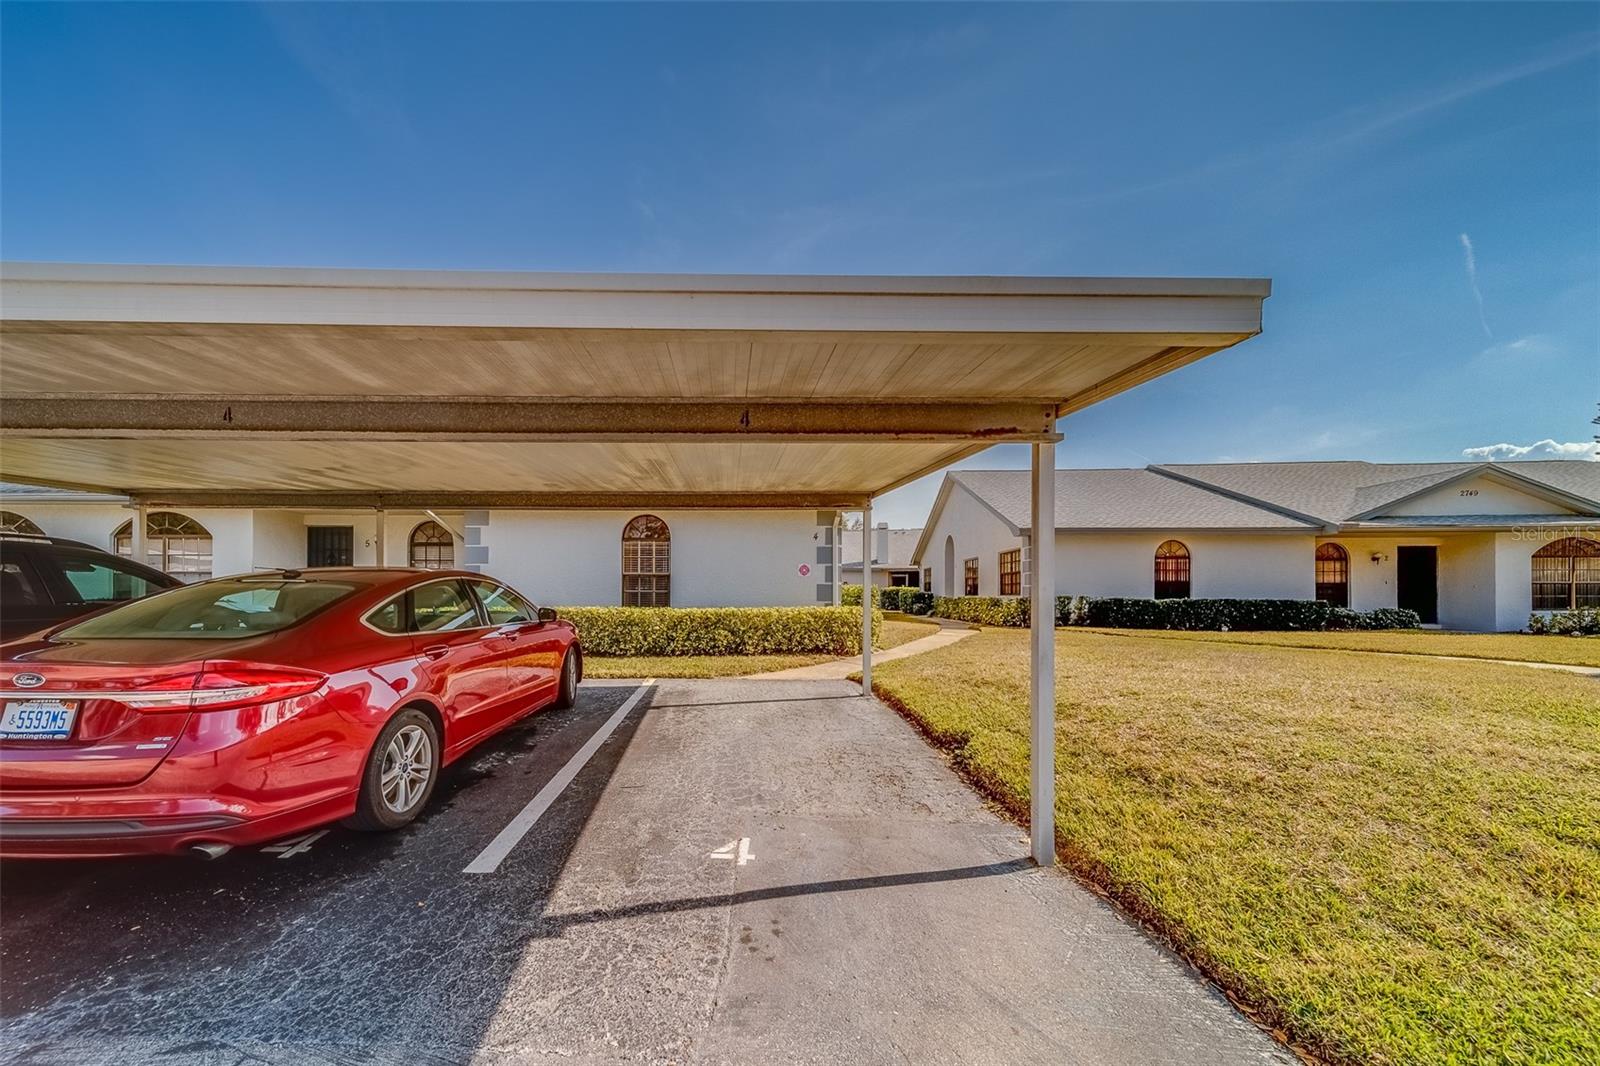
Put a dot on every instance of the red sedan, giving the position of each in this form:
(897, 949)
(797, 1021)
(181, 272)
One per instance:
(250, 708)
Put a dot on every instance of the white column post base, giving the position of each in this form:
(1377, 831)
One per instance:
(866, 599)
(1042, 662)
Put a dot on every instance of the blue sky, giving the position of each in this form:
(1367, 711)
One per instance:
(1419, 181)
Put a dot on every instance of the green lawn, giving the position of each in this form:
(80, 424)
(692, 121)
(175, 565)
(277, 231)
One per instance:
(899, 629)
(1573, 651)
(896, 630)
(1394, 859)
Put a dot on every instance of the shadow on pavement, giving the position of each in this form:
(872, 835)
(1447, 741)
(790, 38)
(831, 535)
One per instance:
(367, 942)
(812, 888)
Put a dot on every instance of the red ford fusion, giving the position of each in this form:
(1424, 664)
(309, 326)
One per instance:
(250, 708)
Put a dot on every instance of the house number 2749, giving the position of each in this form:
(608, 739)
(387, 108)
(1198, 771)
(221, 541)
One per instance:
(1469, 492)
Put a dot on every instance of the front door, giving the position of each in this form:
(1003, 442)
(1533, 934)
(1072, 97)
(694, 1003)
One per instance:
(1417, 581)
(330, 545)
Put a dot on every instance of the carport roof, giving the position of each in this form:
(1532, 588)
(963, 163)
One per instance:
(359, 387)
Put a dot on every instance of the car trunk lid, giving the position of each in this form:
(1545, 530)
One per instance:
(129, 704)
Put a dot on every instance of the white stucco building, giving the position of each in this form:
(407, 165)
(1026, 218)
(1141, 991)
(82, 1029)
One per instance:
(1467, 545)
(680, 558)
(892, 550)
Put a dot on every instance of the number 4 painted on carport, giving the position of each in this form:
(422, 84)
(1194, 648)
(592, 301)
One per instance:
(727, 851)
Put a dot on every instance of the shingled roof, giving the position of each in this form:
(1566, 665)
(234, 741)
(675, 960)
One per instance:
(1242, 497)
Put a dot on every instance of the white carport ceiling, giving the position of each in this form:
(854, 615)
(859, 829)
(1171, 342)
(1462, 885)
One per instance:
(203, 385)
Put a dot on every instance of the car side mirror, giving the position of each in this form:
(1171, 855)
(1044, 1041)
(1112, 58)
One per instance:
(547, 614)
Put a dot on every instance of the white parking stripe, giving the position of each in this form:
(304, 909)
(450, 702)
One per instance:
(490, 858)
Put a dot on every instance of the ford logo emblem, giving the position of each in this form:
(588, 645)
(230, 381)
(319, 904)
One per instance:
(28, 680)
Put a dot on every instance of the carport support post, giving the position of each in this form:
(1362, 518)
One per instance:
(1042, 624)
(377, 540)
(140, 528)
(866, 598)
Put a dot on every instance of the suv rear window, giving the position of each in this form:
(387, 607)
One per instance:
(216, 610)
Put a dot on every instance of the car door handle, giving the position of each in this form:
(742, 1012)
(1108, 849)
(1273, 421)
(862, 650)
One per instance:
(436, 651)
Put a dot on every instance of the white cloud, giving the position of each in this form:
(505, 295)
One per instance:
(1553, 449)
(1472, 280)
(1532, 344)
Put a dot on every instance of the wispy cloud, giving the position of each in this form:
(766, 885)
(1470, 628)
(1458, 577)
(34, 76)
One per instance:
(1532, 346)
(1472, 280)
(350, 51)
(1548, 448)
(1355, 128)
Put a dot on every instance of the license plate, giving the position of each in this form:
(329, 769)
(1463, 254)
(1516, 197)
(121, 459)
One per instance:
(38, 719)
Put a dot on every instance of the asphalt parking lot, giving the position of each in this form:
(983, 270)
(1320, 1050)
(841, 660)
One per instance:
(743, 872)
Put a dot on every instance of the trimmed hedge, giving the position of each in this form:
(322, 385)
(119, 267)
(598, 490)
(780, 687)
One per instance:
(983, 610)
(718, 630)
(904, 600)
(1123, 612)
(1583, 622)
(1225, 615)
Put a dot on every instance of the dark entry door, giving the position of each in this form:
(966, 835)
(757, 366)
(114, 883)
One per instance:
(1417, 581)
(330, 545)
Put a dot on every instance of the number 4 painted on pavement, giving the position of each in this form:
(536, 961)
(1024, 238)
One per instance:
(295, 846)
(727, 851)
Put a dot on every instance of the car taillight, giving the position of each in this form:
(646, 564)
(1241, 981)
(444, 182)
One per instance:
(221, 685)
(237, 684)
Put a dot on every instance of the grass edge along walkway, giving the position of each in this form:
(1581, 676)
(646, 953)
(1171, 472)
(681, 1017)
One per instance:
(1517, 649)
(1329, 1019)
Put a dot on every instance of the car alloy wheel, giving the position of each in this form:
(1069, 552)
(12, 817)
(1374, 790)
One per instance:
(407, 769)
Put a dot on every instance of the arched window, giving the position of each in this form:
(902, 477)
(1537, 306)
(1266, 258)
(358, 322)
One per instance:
(646, 563)
(432, 547)
(1333, 574)
(1566, 575)
(1172, 571)
(173, 542)
(12, 522)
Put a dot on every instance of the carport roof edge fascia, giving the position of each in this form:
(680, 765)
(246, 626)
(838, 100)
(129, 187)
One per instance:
(149, 340)
(551, 281)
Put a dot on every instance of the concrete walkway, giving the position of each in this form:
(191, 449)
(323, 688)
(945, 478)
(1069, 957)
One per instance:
(949, 633)
(746, 873)
(1568, 668)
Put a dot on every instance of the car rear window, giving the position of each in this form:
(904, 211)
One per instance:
(216, 609)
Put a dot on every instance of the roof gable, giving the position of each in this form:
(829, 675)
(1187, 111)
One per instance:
(1475, 493)
(1337, 492)
(1285, 496)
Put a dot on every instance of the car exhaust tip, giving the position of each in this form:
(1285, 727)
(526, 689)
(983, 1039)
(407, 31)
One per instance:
(209, 850)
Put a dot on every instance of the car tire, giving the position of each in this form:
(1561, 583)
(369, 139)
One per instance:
(567, 687)
(401, 771)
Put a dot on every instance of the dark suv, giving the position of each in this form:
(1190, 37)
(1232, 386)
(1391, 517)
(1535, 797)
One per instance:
(45, 580)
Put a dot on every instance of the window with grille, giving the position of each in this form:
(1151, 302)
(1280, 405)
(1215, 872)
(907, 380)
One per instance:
(11, 522)
(1333, 574)
(432, 547)
(173, 542)
(927, 579)
(646, 563)
(969, 584)
(1172, 571)
(1566, 575)
(1011, 572)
